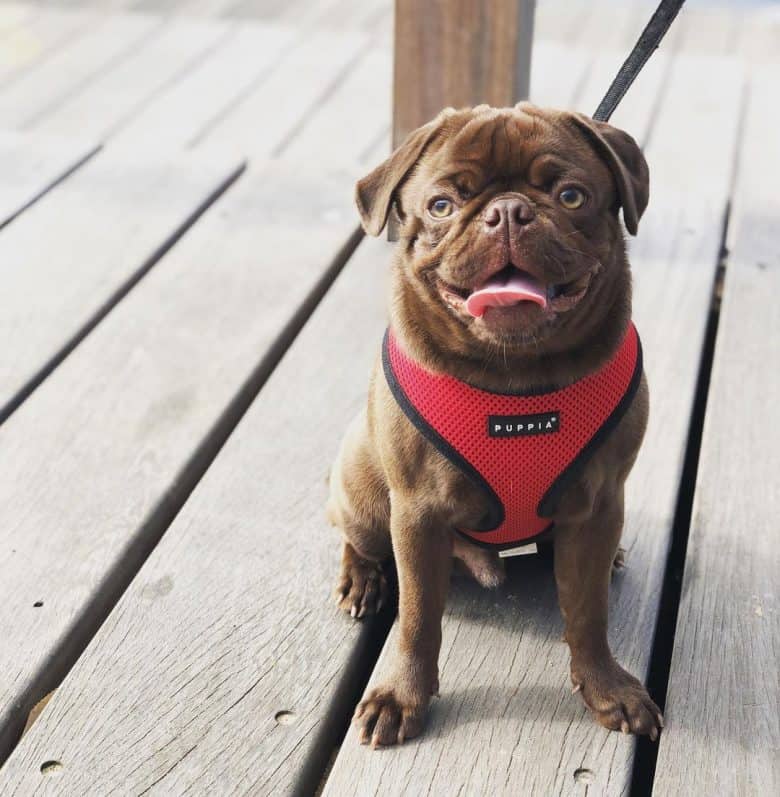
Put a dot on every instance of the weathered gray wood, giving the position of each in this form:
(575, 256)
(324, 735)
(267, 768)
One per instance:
(194, 103)
(506, 722)
(230, 620)
(67, 258)
(358, 112)
(261, 123)
(107, 43)
(247, 646)
(38, 39)
(117, 94)
(723, 704)
(30, 165)
(96, 462)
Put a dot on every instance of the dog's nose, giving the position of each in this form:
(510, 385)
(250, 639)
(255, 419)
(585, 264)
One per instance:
(510, 211)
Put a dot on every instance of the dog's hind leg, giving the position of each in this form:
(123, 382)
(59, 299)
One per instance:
(484, 565)
(359, 506)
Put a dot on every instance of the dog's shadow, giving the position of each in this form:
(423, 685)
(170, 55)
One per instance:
(476, 703)
(528, 595)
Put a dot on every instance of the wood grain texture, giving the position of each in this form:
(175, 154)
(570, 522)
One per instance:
(95, 462)
(458, 53)
(66, 72)
(117, 94)
(193, 104)
(723, 703)
(30, 165)
(506, 722)
(230, 621)
(102, 227)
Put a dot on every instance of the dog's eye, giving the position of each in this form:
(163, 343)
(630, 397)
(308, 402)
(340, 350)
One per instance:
(572, 198)
(440, 208)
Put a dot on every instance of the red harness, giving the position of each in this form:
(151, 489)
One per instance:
(522, 450)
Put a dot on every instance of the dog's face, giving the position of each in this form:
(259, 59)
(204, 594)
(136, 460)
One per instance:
(509, 220)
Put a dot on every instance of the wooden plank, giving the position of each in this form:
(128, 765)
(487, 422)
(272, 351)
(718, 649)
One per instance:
(560, 20)
(97, 461)
(309, 72)
(551, 86)
(722, 729)
(30, 165)
(610, 58)
(70, 69)
(431, 67)
(103, 228)
(372, 16)
(177, 115)
(214, 592)
(759, 35)
(119, 93)
(355, 115)
(503, 666)
(247, 647)
(39, 39)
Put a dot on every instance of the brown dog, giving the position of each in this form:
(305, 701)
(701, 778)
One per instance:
(478, 192)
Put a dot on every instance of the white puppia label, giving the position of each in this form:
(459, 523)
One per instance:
(523, 425)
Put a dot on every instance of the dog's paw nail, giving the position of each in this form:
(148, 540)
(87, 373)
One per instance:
(400, 736)
(353, 611)
(375, 743)
(576, 688)
(660, 718)
(653, 733)
(624, 727)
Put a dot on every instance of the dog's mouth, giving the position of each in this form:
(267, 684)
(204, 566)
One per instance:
(513, 287)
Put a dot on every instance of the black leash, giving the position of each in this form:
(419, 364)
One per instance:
(646, 45)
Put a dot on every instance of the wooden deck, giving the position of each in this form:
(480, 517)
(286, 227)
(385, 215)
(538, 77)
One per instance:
(168, 325)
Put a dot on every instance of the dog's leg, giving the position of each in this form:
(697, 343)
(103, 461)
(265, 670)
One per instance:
(395, 710)
(362, 585)
(583, 561)
(359, 506)
(484, 565)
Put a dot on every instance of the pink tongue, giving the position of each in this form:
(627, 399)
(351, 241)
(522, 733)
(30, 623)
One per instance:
(505, 291)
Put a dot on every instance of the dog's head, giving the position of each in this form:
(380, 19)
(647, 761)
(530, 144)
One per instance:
(509, 221)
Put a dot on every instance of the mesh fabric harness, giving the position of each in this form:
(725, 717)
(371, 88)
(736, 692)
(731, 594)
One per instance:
(521, 450)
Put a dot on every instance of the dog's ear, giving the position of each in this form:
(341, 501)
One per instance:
(626, 162)
(376, 192)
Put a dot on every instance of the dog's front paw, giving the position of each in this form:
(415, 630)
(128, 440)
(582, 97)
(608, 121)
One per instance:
(617, 699)
(384, 718)
(362, 587)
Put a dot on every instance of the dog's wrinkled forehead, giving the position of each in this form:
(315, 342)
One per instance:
(479, 144)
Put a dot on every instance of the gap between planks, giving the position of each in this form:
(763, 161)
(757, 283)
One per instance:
(115, 581)
(97, 315)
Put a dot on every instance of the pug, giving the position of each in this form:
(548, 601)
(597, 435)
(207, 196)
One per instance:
(509, 401)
